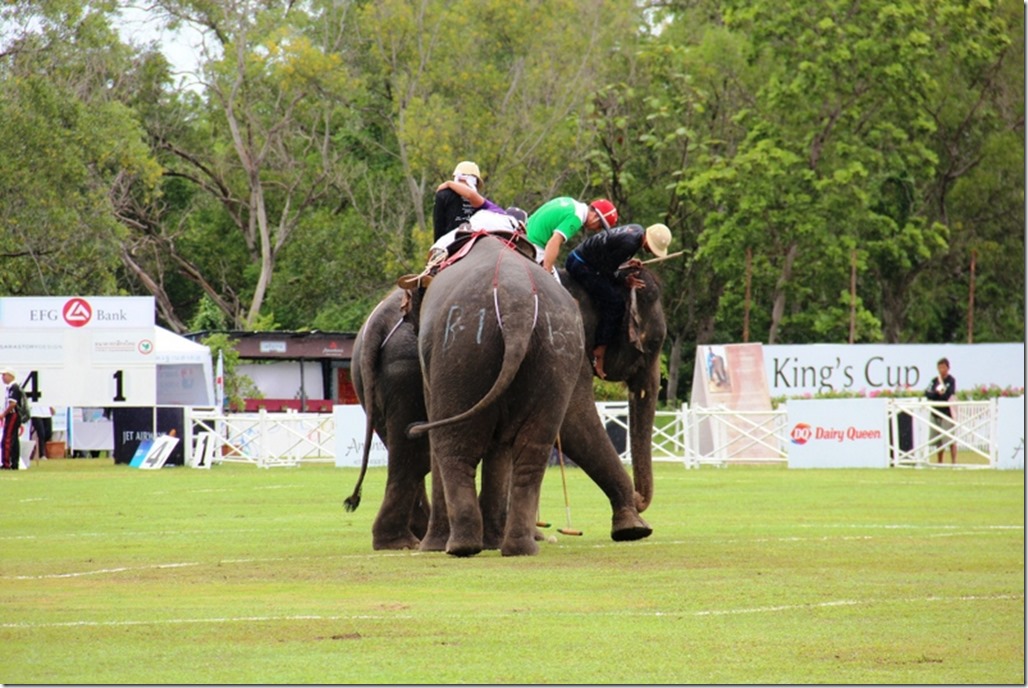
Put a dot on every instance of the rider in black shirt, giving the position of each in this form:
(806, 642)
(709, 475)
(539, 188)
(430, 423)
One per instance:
(596, 262)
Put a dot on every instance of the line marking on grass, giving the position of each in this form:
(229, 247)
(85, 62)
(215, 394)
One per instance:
(520, 613)
(98, 572)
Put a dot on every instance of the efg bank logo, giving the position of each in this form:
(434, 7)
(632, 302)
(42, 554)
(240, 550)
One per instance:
(801, 434)
(77, 312)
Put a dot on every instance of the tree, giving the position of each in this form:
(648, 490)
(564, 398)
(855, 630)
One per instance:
(68, 149)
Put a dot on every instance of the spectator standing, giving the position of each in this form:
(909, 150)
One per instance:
(942, 388)
(42, 427)
(10, 449)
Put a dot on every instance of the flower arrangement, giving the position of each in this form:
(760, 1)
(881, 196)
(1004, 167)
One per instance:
(979, 393)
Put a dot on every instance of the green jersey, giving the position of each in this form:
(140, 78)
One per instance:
(563, 215)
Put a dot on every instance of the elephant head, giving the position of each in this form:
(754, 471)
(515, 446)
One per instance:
(633, 358)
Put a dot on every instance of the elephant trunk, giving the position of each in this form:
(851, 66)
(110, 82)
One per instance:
(642, 408)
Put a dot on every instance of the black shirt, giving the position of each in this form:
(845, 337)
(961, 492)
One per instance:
(450, 212)
(605, 251)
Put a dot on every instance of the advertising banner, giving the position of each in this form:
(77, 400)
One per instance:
(798, 369)
(349, 420)
(838, 433)
(1010, 433)
(732, 377)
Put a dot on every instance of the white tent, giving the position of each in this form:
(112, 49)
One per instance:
(185, 375)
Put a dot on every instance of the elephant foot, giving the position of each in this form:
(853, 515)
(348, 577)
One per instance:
(433, 543)
(519, 547)
(407, 541)
(491, 542)
(463, 549)
(628, 525)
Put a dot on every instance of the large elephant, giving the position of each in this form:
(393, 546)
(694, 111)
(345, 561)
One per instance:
(500, 344)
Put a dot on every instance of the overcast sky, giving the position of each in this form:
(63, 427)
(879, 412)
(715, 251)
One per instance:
(182, 47)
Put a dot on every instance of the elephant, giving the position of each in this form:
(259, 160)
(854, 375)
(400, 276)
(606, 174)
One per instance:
(499, 342)
(387, 363)
(387, 379)
(633, 358)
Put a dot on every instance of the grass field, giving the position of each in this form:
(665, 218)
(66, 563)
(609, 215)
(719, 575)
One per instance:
(113, 575)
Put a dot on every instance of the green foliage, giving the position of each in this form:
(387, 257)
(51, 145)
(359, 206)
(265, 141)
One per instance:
(238, 387)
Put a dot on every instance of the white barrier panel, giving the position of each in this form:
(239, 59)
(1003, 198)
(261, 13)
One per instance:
(845, 433)
(1010, 433)
(349, 420)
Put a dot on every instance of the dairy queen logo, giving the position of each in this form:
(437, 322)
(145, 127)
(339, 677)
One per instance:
(800, 434)
(77, 312)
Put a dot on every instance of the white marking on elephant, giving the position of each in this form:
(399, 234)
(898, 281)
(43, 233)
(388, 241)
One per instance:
(481, 325)
(549, 327)
(453, 324)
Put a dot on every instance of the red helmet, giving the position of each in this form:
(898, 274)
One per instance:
(606, 210)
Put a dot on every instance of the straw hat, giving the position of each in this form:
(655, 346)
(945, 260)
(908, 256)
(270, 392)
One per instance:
(658, 238)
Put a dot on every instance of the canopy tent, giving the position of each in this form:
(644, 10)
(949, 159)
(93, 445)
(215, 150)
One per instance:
(185, 376)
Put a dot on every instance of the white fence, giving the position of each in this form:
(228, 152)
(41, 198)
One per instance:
(696, 437)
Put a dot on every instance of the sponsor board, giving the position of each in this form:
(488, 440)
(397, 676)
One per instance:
(838, 433)
(81, 351)
(1010, 433)
(350, 427)
(797, 369)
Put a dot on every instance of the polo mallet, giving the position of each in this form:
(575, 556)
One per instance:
(567, 504)
(654, 260)
(540, 523)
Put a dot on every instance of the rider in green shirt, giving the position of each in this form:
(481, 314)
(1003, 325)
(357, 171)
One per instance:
(559, 219)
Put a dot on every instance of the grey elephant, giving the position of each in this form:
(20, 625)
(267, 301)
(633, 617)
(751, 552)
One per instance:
(396, 399)
(633, 358)
(500, 342)
(387, 378)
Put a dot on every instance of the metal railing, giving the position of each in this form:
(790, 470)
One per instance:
(696, 436)
(264, 439)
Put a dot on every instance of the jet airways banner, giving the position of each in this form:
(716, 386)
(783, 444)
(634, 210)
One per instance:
(841, 433)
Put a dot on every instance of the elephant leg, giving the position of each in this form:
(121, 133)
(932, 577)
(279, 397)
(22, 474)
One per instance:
(585, 441)
(529, 466)
(458, 477)
(405, 487)
(494, 497)
(420, 512)
(438, 528)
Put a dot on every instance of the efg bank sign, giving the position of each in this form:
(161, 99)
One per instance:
(846, 433)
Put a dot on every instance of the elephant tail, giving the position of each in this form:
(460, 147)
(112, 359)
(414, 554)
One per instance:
(369, 355)
(354, 500)
(514, 351)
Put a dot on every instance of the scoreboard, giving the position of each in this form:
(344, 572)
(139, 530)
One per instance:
(93, 351)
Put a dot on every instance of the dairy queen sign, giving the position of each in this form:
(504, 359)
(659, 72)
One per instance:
(847, 433)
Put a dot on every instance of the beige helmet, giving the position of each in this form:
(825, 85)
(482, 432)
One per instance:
(467, 167)
(658, 238)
